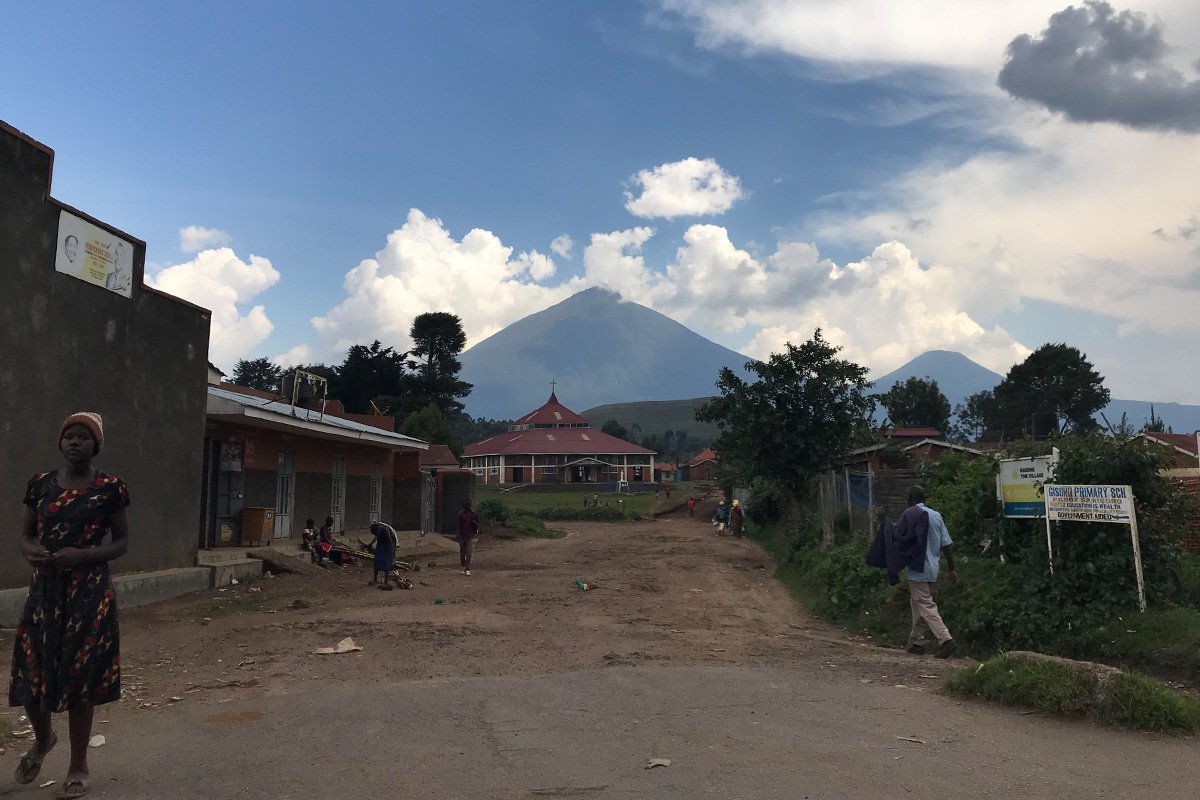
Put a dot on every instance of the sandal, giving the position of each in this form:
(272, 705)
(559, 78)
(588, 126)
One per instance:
(31, 763)
(73, 788)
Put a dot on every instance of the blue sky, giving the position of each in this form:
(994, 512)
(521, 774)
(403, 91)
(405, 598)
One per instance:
(753, 168)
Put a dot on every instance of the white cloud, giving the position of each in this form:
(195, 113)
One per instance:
(424, 268)
(195, 238)
(218, 280)
(562, 245)
(1041, 217)
(692, 187)
(1027, 214)
(885, 309)
(866, 38)
(889, 308)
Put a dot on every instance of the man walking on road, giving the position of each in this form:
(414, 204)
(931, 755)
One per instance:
(925, 614)
(468, 532)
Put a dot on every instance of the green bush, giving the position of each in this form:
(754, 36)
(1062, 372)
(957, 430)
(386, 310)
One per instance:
(766, 503)
(590, 514)
(853, 586)
(494, 511)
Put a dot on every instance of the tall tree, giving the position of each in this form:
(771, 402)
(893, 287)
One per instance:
(1155, 424)
(800, 412)
(369, 371)
(614, 428)
(438, 339)
(258, 373)
(1056, 379)
(470, 429)
(917, 403)
(974, 418)
(430, 425)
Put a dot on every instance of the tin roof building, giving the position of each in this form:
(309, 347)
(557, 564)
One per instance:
(553, 444)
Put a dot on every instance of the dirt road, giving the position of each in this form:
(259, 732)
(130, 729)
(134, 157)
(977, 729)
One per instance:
(520, 685)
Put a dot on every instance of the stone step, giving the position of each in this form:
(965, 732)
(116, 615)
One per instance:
(208, 558)
(243, 569)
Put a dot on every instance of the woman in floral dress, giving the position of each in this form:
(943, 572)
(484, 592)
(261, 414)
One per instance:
(66, 656)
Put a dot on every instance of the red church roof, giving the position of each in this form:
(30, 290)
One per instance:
(553, 429)
(553, 414)
(545, 441)
(707, 454)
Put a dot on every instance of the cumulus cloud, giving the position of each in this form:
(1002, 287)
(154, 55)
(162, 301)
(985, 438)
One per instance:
(424, 268)
(195, 238)
(1094, 64)
(885, 309)
(220, 281)
(562, 246)
(889, 308)
(864, 38)
(692, 187)
(1039, 221)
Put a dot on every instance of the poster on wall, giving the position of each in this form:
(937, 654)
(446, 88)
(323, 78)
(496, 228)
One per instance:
(231, 455)
(92, 254)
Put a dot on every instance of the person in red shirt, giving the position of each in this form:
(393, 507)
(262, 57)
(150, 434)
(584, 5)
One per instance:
(691, 506)
(468, 532)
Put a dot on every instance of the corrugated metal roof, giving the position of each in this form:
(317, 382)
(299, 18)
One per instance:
(554, 440)
(551, 413)
(289, 412)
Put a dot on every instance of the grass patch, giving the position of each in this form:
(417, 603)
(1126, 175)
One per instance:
(1161, 638)
(568, 503)
(531, 526)
(255, 601)
(1128, 700)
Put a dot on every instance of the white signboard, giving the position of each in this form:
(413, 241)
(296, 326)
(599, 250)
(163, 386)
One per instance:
(92, 254)
(1020, 483)
(1080, 503)
(1067, 502)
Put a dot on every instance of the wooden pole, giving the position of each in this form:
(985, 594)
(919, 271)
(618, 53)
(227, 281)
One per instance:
(1049, 544)
(849, 502)
(1137, 558)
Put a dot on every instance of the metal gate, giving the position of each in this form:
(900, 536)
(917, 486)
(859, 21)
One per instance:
(429, 503)
(285, 495)
(376, 499)
(337, 497)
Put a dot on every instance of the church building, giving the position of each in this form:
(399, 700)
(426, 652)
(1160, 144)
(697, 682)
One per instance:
(555, 445)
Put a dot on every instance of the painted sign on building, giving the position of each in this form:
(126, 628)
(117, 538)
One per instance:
(1020, 483)
(92, 254)
(1086, 503)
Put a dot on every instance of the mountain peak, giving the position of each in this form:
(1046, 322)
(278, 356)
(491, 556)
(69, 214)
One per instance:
(599, 348)
(957, 376)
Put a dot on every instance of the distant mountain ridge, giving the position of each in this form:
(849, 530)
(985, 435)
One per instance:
(655, 417)
(959, 377)
(598, 349)
(601, 350)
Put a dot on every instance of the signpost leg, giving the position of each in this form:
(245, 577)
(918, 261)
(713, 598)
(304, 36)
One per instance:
(1137, 561)
(849, 501)
(1049, 545)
